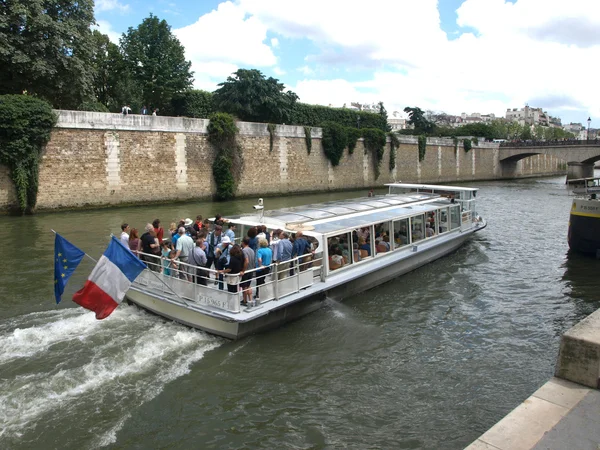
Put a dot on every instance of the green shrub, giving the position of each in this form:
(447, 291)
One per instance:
(375, 140)
(193, 103)
(422, 147)
(271, 128)
(467, 145)
(335, 140)
(93, 106)
(222, 130)
(317, 115)
(25, 126)
(224, 177)
(394, 145)
(354, 135)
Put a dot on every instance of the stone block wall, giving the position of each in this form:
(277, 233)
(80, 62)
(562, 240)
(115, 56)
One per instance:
(96, 159)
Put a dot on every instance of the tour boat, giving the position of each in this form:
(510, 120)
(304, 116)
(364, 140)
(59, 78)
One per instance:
(356, 245)
(584, 220)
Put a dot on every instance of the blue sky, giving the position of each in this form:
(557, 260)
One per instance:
(449, 55)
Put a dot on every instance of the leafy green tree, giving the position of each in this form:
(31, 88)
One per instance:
(155, 59)
(45, 50)
(416, 117)
(192, 103)
(384, 117)
(252, 97)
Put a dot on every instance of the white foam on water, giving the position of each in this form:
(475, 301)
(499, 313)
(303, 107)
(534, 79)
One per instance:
(119, 363)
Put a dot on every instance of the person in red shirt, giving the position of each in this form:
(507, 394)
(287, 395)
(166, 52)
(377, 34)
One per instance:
(158, 230)
(198, 223)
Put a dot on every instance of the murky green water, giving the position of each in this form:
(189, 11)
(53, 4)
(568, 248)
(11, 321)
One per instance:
(430, 360)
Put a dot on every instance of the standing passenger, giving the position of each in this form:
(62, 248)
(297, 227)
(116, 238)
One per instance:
(160, 232)
(284, 250)
(198, 259)
(184, 247)
(264, 257)
(134, 243)
(124, 235)
(249, 265)
(231, 231)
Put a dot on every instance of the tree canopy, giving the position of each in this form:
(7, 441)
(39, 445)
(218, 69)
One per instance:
(250, 96)
(155, 60)
(46, 47)
(416, 118)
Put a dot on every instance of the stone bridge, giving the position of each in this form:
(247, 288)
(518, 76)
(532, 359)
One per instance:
(580, 156)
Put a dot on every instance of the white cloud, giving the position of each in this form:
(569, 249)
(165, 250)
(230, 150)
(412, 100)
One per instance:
(110, 5)
(279, 71)
(274, 42)
(106, 28)
(220, 42)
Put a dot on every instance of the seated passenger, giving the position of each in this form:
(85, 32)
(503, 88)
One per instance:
(364, 247)
(380, 246)
(356, 252)
(429, 232)
(336, 260)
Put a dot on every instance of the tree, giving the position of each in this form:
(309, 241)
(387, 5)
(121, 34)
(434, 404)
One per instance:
(252, 97)
(45, 49)
(418, 120)
(384, 117)
(155, 60)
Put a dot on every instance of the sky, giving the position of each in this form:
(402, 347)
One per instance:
(452, 56)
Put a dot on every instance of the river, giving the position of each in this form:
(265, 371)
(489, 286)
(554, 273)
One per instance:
(428, 361)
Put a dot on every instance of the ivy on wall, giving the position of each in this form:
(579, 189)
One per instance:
(25, 126)
(375, 140)
(422, 147)
(394, 145)
(228, 163)
(353, 137)
(335, 140)
(467, 145)
(271, 128)
(308, 138)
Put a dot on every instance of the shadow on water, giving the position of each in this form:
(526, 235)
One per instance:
(582, 282)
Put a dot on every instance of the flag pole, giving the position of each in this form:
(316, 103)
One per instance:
(83, 252)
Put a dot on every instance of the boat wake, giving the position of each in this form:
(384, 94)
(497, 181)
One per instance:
(56, 364)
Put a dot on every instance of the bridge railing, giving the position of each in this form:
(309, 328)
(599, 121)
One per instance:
(550, 143)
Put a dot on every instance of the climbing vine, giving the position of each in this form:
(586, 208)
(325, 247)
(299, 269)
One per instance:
(467, 145)
(455, 140)
(394, 145)
(228, 163)
(308, 138)
(271, 128)
(375, 140)
(25, 126)
(422, 147)
(335, 140)
(353, 137)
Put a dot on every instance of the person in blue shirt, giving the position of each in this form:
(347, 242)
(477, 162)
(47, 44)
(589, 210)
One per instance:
(231, 232)
(264, 257)
(300, 248)
(284, 251)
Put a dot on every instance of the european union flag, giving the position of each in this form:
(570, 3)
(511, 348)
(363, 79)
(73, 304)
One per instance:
(66, 259)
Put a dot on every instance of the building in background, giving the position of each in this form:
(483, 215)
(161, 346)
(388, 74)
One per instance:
(528, 116)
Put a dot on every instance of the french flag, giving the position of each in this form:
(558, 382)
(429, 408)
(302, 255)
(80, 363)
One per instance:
(106, 286)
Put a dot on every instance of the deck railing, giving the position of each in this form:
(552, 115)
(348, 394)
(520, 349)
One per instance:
(193, 285)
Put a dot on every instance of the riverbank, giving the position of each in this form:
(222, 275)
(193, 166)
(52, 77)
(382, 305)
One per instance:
(565, 412)
(101, 159)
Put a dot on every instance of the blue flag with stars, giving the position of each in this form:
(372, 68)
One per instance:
(66, 259)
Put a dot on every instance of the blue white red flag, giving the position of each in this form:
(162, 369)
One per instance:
(106, 286)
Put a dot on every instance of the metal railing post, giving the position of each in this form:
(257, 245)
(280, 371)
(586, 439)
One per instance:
(276, 282)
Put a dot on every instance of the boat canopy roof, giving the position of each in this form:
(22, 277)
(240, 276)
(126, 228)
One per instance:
(332, 216)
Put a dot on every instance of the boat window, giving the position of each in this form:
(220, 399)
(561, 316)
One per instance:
(430, 224)
(382, 238)
(362, 238)
(339, 249)
(455, 217)
(443, 225)
(417, 227)
(400, 233)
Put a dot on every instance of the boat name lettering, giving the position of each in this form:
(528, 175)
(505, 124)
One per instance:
(210, 301)
(589, 208)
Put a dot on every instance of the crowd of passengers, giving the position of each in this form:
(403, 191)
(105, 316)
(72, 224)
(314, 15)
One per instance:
(339, 247)
(203, 245)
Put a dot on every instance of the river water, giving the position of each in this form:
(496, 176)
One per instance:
(430, 360)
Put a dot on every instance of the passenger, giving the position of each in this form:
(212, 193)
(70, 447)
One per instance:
(429, 232)
(198, 259)
(301, 247)
(284, 251)
(213, 242)
(173, 229)
(125, 235)
(266, 233)
(386, 241)
(233, 267)
(230, 231)
(188, 224)
(336, 260)
(355, 252)
(274, 244)
(252, 233)
(264, 258)
(364, 247)
(222, 258)
(150, 247)
(184, 247)
(166, 250)
(158, 230)
(134, 243)
(198, 223)
(173, 264)
(247, 271)
(206, 225)
(364, 233)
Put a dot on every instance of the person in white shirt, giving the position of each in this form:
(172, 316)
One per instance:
(125, 235)
(185, 246)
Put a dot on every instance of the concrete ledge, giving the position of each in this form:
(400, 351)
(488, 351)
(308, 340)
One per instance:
(532, 420)
(579, 354)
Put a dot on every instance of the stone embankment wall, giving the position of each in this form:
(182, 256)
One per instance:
(96, 159)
